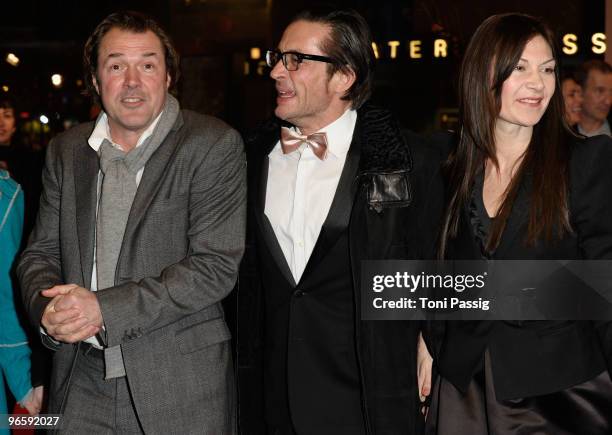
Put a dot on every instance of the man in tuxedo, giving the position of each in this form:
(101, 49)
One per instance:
(332, 182)
(138, 239)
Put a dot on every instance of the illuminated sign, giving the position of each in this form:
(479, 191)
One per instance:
(570, 43)
(412, 49)
(415, 48)
(438, 48)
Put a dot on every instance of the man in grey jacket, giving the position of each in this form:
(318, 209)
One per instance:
(138, 239)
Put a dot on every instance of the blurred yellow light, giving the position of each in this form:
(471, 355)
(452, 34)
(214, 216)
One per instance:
(393, 45)
(5, 88)
(255, 53)
(79, 83)
(569, 43)
(12, 59)
(599, 43)
(440, 48)
(261, 65)
(415, 49)
(57, 80)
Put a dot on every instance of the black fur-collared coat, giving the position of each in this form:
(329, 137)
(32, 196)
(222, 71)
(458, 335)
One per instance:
(393, 207)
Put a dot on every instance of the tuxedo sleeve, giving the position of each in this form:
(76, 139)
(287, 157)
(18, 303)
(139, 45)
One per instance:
(439, 145)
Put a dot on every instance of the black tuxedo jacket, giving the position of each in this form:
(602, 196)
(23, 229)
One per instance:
(539, 357)
(389, 199)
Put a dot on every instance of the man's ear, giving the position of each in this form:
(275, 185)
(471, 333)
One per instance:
(168, 81)
(343, 80)
(95, 83)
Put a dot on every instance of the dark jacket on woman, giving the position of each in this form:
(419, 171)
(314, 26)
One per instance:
(530, 358)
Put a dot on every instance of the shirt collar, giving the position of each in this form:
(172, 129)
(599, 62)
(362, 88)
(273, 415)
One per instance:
(102, 131)
(339, 134)
(604, 129)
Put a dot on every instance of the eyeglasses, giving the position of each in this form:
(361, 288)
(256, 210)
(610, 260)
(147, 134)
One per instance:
(293, 59)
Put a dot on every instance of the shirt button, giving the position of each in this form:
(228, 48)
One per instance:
(298, 293)
(300, 244)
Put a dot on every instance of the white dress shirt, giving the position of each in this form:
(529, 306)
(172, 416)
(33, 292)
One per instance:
(300, 191)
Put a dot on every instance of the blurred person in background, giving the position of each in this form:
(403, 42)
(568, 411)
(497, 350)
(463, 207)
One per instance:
(595, 78)
(7, 122)
(522, 186)
(25, 167)
(10, 159)
(24, 164)
(572, 96)
(14, 350)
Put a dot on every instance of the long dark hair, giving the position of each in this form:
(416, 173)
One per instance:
(492, 54)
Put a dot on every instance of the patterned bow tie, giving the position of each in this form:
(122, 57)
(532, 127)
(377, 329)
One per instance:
(291, 141)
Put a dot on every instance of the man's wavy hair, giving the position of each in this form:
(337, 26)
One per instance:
(350, 44)
(134, 22)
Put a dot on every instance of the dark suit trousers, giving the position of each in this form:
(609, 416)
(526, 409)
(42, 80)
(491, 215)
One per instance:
(95, 405)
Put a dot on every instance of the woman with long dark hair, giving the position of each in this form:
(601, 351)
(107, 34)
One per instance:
(522, 186)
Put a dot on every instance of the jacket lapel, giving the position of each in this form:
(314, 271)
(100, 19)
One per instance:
(86, 167)
(515, 231)
(466, 245)
(152, 176)
(337, 219)
(265, 227)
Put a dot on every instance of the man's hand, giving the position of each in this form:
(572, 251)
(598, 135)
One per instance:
(72, 315)
(424, 365)
(33, 401)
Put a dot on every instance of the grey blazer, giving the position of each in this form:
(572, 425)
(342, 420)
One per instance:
(182, 245)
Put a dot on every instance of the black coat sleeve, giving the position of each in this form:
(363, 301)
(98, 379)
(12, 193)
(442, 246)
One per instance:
(440, 145)
(591, 210)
